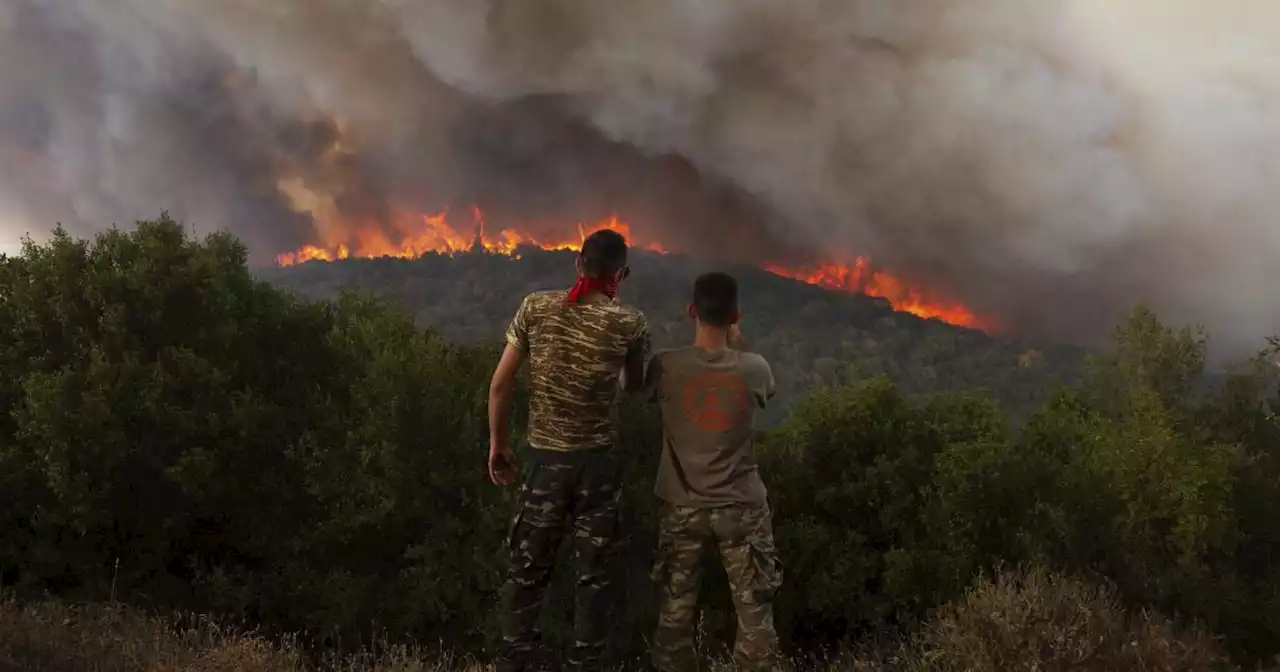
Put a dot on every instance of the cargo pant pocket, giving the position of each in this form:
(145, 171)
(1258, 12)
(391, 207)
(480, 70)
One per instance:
(767, 573)
(513, 528)
(527, 485)
(660, 570)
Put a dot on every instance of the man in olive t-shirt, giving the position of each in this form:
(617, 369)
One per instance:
(709, 483)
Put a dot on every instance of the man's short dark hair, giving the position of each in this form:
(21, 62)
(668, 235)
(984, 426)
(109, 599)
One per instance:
(603, 253)
(715, 297)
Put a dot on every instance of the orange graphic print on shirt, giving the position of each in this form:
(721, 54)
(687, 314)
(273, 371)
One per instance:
(714, 400)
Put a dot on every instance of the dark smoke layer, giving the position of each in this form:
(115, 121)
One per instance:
(1047, 163)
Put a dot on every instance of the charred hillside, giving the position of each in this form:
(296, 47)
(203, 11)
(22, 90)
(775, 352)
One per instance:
(813, 336)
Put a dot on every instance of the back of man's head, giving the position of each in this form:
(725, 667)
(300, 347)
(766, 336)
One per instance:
(715, 299)
(604, 253)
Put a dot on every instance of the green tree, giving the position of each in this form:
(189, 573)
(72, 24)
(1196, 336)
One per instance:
(181, 430)
(850, 476)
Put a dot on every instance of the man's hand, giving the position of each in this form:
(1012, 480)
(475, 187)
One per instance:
(502, 462)
(502, 465)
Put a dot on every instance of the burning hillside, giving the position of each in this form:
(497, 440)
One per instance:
(1036, 166)
(434, 233)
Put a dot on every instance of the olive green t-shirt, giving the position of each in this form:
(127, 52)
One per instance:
(709, 400)
(576, 353)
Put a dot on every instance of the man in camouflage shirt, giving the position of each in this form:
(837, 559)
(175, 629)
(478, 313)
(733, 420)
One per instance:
(577, 343)
(710, 486)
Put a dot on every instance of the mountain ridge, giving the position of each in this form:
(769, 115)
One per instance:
(812, 335)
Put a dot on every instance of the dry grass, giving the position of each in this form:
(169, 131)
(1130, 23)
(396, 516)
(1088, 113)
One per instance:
(108, 639)
(52, 637)
(1020, 621)
(1038, 621)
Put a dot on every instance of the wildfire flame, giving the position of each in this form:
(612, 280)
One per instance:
(437, 235)
(423, 234)
(862, 278)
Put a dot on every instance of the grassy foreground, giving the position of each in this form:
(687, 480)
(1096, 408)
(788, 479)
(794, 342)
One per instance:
(1020, 621)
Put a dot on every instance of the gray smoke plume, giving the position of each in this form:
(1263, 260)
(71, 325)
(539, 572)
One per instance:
(1047, 163)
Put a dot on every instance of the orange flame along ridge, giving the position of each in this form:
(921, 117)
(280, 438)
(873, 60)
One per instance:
(426, 234)
(436, 234)
(861, 278)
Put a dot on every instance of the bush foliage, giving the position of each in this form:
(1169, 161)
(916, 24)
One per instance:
(1037, 621)
(181, 435)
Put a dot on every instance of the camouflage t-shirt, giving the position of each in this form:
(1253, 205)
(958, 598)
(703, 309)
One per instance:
(576, 353)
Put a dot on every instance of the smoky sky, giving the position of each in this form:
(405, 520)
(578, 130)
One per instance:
(1049, 164)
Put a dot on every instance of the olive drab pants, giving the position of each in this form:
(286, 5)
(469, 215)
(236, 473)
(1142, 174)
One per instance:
(580, 490)
(744, 535)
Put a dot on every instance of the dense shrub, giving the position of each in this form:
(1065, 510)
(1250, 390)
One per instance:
(849, 475)
(1039, 621)
(178, 434)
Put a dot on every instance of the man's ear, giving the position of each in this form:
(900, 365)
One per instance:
(692, 312)
(577, 264)
(737, 315)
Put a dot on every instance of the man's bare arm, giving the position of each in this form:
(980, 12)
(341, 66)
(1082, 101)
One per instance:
(633, 371)
(637, 353)
(501, 388)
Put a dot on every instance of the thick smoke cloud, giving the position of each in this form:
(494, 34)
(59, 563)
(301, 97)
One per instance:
(1047, 163)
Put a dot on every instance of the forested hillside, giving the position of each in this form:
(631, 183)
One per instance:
(813, 336)
(177, 435)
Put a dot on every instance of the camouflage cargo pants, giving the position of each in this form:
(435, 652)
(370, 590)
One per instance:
(580, 490)
(744, 535)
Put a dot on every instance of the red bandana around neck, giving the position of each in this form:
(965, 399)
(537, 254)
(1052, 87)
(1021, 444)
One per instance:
(586, 285)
